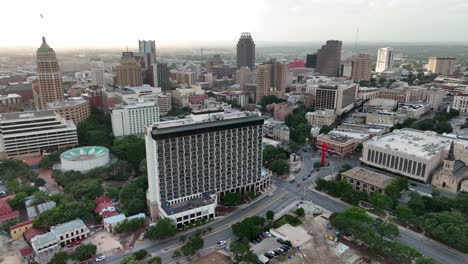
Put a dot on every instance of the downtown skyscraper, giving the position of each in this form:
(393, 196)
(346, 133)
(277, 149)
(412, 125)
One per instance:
(329, 58)
(384, 59)
(49, 86)
(246, 51)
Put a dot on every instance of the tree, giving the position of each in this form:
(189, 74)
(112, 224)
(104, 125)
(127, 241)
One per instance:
(325, 130)
(384, 229)
(130, 148)
(270, 152)
(248, 228)
(60, 257)
(130, 259)
(96, 130)
(405, 214)
(300, 212)
(164, 228)
(293, 146)
(242, 253)
(462, 202)
(270, 215)
(18, 201)
(279, 167)
(192, 246)
(177, 254)
(381, 201)
(130, 225)
(318, 164)
(155, 260)
(416, 203)
(270, 99)
(134, 206)
(425, 260)
(402, 182)
(231, 199)
(140, 254)
(84, 252)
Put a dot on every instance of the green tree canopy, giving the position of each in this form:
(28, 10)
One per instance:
(279, 167)
(60, 257)
(84, 252)
(163, 229)
(231, 199)
(270, 215)
(242, 253)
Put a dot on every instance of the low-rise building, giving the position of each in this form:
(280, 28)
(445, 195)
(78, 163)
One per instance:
(276, 130)
(6, 213)
(17, 231)
(381, 118)
(435, 97)
(111, 223)
(70, 232)
(11, 103)
(415, 111)
(282, 110)
(460, 103)
(367, 93)
(380, 104)
(399, 95)
(321, 118)
(408, 152)
(365, 180)
(338, 145)
(77, 110)
(26, 134)
(453, 171)
(44, 245)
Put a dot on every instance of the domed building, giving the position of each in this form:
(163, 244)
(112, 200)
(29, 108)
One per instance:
(84, 158)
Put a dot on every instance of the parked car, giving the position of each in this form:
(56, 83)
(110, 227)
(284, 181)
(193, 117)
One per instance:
(266, 233)
(292, 181)
(100, 258)
(221, 243)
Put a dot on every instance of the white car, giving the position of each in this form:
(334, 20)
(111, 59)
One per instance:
(268, 234)
(270, 194)
(221, 243)
(100, 258)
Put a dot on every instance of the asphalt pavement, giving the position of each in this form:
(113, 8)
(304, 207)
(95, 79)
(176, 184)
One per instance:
(285, 194)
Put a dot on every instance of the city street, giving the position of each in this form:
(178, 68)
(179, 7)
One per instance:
(285, 194)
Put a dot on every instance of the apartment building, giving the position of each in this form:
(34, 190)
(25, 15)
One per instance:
(24, 134)
(193, 162)
(337, 97)
(460, 103)
(131, 117)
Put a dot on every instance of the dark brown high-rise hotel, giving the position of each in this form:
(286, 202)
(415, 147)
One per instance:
(246, 51)
(328, 58)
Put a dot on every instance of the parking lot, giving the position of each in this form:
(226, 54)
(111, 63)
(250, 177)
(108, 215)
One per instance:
(267, 244)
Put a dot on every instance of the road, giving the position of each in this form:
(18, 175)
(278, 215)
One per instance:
(286, 194)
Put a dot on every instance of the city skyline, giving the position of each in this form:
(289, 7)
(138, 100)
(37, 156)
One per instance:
(267, 21)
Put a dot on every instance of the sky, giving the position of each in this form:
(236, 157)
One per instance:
(120, 23)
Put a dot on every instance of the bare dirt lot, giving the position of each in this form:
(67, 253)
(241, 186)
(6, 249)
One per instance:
(213, 258)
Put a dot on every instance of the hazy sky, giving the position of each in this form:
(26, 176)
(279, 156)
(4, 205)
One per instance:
(119, 23)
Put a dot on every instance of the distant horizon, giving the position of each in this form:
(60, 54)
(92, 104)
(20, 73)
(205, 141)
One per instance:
(227, 44)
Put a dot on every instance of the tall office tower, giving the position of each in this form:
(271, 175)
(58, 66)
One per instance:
(441, 65)
(193, 162)
(163, 74)
(384, 59)
(97, 71)
(311, 60)
(337, 97)
(147, 50)
(361, 67)
(278, 77)
(246, 51)
(50, 86)
(329, 58)
(263, 82)
(129, 71)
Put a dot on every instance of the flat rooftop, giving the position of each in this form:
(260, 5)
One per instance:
(424, 144)
(368, 176)
(203, 121)
(67, 103)
(27, 115)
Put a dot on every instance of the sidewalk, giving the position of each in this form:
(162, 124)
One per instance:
(418, 235)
